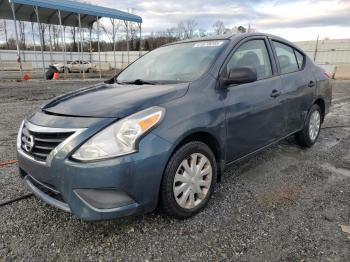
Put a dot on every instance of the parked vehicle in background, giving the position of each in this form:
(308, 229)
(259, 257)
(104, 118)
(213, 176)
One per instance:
(60, 66)
(76, 66)
(49, 74)
(162, 131)
(79, 66)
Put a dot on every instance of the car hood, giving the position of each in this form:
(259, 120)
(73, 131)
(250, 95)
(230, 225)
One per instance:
(113, 100)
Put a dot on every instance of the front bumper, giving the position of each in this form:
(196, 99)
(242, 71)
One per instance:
(100, 190)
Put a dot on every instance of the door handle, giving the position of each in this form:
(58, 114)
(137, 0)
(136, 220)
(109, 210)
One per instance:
(311, 84)
(275, 93)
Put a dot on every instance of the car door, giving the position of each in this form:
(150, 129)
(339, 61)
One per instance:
(254, 117)
(298, 84)
(75, 66)
(86, 65)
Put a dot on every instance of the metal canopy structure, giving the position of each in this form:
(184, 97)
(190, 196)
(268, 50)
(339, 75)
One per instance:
(64, 13)
(69, 9)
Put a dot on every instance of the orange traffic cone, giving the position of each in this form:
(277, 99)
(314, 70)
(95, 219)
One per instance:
(26, 77)
(56, 76)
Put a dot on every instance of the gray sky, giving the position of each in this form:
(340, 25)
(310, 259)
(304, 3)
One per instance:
(294, 20)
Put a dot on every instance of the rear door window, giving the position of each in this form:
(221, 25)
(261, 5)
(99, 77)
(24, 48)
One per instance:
(286, 58)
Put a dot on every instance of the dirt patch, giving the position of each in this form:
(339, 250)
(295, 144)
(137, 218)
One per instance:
(280, 196)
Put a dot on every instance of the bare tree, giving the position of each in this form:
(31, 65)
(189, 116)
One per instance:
(5, 32)
(3, 27)
(202, 32)
(43, 28)
(108, 34)
(73, 32)
(186, 29)
(22, 31)
(170, 32)
(115, 27)
(134, 30)
(55, 36)
(241, 29)
(11, 43)
(219, 27)
(2, 30)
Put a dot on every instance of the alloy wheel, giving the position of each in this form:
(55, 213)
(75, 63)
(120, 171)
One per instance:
(314, 125)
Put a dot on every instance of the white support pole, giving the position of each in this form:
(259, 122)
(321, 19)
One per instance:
(21, 44)
(17, 44)
(315, 54)
(63, 40)
(34, 46)
(114, 34)
(122, 60)
(90, 33)
(78, 46)
(140, 47)
(51, 59)
(127, 40)
(41, 39)
(98, 45)
(81, 47)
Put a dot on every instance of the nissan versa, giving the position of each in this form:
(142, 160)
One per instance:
(162, 131)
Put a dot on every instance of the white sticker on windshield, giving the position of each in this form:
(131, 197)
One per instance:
(208, 44)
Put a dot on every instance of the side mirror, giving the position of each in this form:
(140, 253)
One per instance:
(241, 75)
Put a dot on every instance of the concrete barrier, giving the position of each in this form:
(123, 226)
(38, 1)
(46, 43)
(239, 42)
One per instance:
(342, 72)
(121, 57)
(329, 69)
(104, 66)
(13, 66)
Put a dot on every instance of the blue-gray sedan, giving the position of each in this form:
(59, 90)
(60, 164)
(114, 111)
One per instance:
(162, 131)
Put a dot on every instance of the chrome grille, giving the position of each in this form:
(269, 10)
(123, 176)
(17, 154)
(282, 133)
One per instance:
(39, 144)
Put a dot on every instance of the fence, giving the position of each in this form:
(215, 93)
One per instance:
(121, 61)
(329, 54)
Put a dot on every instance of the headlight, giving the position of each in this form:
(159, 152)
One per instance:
(121, 137)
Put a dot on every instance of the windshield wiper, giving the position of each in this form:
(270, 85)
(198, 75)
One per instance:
(139, 82)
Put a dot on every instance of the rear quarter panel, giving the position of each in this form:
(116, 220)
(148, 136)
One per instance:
(324, 87)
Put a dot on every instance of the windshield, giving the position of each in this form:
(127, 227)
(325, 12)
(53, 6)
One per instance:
(182, 62)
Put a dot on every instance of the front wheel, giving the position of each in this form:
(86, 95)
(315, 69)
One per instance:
(189, 180)
(308, 135)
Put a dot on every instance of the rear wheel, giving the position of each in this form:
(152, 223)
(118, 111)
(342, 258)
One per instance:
(307, 137)
(189, 180)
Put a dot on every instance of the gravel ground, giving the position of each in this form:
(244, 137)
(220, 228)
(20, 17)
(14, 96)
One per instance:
(285, 203)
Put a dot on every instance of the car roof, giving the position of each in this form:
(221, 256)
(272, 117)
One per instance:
(236, 37)
(228, 37)
(207, 38)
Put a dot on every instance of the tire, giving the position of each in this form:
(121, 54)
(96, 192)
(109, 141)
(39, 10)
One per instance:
(194, 194)
(50, 72)
(306, 137)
